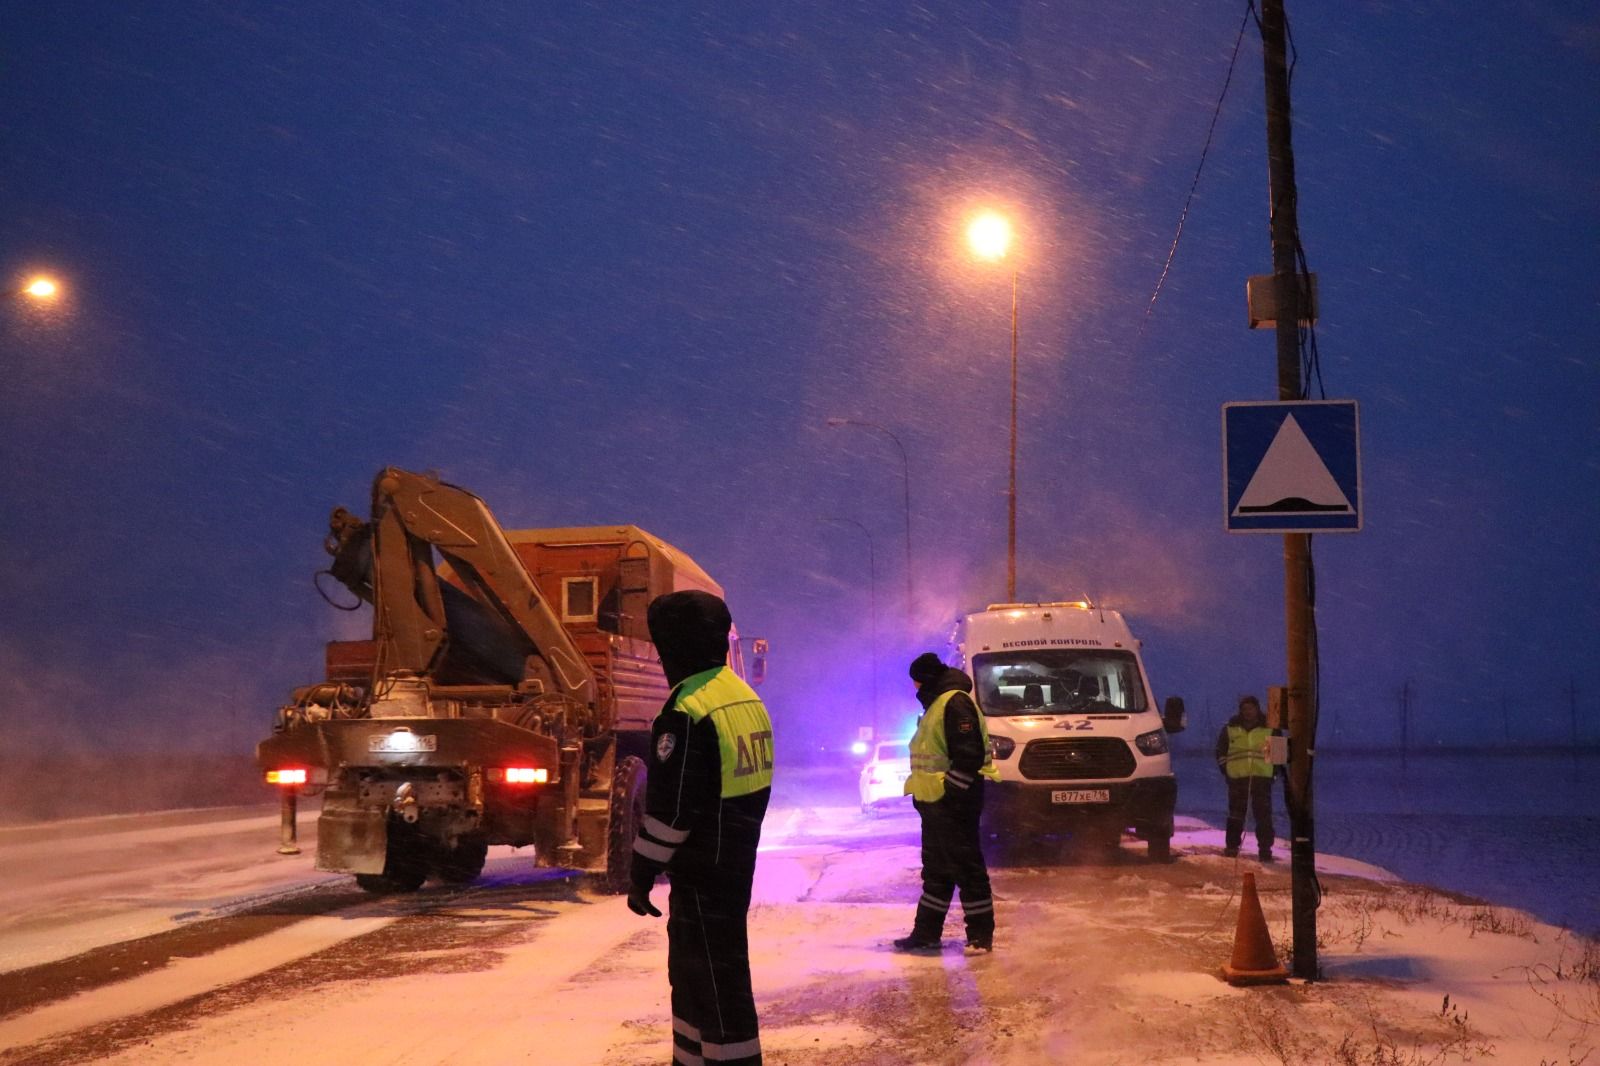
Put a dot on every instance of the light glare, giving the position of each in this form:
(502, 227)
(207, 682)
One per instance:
(989, 235)
(43, 288)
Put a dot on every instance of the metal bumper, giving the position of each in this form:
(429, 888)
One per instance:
(335, 745)
(1143, 804)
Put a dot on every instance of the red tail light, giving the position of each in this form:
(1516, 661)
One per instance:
(295, 776)
(518, 775)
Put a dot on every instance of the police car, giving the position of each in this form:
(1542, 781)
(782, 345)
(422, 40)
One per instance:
(883, 778)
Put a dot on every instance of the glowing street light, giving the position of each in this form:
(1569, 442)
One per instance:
(989, 235)
(42, 288)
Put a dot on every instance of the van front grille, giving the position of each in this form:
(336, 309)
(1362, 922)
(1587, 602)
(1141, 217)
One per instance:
(1077, 759)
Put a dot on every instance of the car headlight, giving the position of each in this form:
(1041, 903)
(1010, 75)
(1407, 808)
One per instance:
(1152, 743)
(1001, 747)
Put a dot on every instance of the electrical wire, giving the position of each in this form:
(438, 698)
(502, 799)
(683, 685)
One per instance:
(1194, 185)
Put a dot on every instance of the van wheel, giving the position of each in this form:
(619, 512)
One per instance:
(1160, 845)
(627, 812)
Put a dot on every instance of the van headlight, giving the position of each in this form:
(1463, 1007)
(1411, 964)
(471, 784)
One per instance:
(1001, 747)
(1152, 743)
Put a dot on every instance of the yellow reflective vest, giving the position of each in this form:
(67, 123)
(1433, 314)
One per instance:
(744, 731)
(930, 752)
(1247, 752)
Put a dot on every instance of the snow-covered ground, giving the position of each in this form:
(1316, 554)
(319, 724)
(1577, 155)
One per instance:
(1099, 960)
(1522, 830)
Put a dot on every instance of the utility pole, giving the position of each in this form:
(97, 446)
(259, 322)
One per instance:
(1011, 491)
(1299, 618)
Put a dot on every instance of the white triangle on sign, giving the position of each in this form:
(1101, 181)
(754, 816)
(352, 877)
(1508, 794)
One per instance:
(1292, 479)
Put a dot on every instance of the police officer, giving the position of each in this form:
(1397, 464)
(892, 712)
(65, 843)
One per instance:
(949, 761)
(709, 781)
(1242, 758)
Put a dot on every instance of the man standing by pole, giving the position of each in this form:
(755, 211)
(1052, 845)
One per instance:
(1242, 757)
(709, 782)
(949, 761)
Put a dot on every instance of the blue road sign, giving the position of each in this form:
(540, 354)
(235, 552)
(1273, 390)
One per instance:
(1291, 467)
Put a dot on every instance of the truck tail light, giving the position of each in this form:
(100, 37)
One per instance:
(518, 775)
(293, 776)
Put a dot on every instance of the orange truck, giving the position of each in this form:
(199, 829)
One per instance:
(505, 696)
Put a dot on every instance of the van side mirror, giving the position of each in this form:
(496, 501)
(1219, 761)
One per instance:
(1174, 719)
(758, 661)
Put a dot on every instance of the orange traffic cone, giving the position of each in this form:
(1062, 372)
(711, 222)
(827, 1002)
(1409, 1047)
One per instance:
(1253, 961)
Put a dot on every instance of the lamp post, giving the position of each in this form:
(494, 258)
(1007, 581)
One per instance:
(989, 235)
(872, 609)
(905, 480)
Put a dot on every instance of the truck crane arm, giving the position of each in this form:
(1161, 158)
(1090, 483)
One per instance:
(389, 562)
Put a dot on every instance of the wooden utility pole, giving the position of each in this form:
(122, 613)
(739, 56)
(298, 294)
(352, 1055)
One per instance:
(1298, 611)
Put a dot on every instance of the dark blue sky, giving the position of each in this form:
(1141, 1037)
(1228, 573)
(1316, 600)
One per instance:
(618, 263)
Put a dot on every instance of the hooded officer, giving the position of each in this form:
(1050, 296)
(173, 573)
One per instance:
(949, 761)
(709, 781)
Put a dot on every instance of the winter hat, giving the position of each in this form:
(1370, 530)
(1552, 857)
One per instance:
(927, 667)
(690, 631)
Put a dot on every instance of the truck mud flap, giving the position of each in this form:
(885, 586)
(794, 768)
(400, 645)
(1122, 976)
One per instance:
(350, 839)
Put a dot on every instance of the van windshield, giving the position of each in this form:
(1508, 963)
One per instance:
(1059, 681)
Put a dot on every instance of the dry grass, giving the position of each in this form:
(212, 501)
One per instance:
(1356, 918)
(1572, 983)
(1447, 1037)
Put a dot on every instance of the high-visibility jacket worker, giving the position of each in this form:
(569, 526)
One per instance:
(1242, 758)
(710, 776)
(949, 764)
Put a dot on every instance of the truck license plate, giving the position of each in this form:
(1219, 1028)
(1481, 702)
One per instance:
(1081, 795)
(402, 741)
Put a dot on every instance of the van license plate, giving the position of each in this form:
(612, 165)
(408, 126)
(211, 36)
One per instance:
(1081, 795)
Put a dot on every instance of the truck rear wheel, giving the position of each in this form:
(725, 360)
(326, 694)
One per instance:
(627, 811)
(1160, 845)
(405, 864)
(462, 864)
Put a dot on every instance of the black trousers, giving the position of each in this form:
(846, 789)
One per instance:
(1257, 793)
(951, 859)
(708, 966)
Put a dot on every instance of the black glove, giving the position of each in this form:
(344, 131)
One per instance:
(639, 901)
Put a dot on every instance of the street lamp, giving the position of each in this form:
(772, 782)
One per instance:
(42, 289)
(872, 608)
(905, 481)
(989, 235)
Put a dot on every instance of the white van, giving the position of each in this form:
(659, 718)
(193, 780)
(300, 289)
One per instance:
(1072, 723)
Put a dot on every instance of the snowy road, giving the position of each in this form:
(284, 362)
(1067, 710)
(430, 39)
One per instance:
(183, 938)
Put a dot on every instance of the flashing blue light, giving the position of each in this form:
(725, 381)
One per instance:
(858, 748)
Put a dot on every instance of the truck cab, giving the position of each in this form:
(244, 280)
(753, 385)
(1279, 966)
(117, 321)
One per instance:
(1072, 721)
